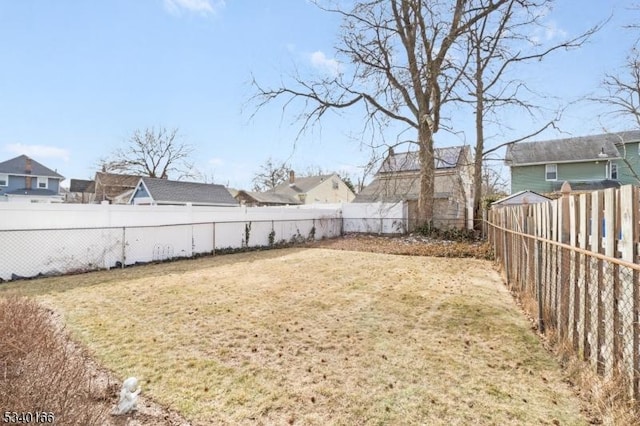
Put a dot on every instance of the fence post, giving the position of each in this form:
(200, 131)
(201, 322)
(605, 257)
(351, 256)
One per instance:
(608, 301)
(539, 285)
(213, 248)
(124, 246)
(505, 253)
(628, 207)
(563, 281)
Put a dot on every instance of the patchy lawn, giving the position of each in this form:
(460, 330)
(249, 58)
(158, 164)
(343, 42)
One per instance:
(318, 336)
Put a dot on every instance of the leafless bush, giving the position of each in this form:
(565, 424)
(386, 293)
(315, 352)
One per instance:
(41, 372)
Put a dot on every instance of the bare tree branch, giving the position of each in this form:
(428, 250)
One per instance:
(397, 67)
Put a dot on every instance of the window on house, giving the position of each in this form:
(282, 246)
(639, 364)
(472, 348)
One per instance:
(4, 180)
(43, 182)
(551, 172)
(613, 171)
(335, 184)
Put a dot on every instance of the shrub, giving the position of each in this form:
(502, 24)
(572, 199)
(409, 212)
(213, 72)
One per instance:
(40, 371)
(450, 234)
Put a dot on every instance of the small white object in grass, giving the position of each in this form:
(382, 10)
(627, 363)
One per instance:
(128, 397)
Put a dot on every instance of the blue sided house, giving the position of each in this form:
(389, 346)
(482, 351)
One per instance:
(23, 179)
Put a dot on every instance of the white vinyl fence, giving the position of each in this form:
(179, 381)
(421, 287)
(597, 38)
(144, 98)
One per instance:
(52, 239)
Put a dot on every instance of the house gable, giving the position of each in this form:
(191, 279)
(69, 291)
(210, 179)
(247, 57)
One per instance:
(108, 186)
(328, 188)
(24, 179)
(522, 197)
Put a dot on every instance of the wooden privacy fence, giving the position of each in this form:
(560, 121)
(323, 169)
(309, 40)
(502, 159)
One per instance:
(577, 257)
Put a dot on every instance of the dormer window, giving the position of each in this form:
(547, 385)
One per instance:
(335, 184)
(551, 172)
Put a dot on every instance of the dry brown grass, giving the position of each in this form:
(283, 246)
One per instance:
(317, 336)
(410, 245)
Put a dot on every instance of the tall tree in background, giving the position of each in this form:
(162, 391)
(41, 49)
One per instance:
(154, 153)
(400, 70)
(495, 45)
(271, 174)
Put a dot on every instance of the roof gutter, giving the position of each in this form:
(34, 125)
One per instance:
(595, 160)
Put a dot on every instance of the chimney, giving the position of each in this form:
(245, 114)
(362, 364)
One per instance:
(27, 166)
(292, 177)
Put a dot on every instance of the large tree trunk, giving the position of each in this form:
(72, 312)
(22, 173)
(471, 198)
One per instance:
(425, 199)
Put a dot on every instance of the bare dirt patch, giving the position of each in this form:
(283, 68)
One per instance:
(319, 336)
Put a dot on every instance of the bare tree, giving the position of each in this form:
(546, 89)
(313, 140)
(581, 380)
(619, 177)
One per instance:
(493, 182)
(400, 70)
(271, 174)
(622, 90)
(496, 44)
(154, 153)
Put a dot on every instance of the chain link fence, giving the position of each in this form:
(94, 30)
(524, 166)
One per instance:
(45, 252)
(574, 264)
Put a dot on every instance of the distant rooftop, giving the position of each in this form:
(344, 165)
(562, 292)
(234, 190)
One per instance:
(575, 149)
(19, 166)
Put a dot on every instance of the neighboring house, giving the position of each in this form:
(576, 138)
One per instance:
(81, 191)
(588, 163)
(398, 179)
(153, 191)
(24, 179)
(259, 199)
(114, 188)
(302, 190)
(522, 197)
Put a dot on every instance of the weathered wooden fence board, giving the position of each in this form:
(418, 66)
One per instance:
(578, 257)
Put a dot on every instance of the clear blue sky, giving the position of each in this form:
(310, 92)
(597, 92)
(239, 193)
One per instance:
(78, 77)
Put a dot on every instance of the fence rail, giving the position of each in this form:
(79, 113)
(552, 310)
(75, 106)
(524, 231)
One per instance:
(577, 259)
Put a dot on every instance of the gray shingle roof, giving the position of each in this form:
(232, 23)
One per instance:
(444, 158)
(171, 191)
(522, 197)
(81, 185)
(272, 197)
(589, 185)
(16, 166)
(582, 148)
(300, 185)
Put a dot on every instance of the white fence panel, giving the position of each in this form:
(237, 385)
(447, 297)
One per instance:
(379, 218)
(56, 239)
(203, 238)
(229, 235)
